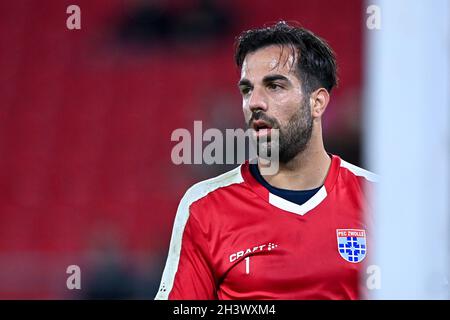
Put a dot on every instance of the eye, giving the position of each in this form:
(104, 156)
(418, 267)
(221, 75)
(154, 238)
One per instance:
(274, 86)
(245, 90)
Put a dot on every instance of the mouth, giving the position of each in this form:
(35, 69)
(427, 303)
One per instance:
(258, 125)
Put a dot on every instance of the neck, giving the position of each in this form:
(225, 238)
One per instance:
(307, 170)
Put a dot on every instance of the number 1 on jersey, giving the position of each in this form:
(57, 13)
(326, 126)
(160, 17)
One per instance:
(247, 265)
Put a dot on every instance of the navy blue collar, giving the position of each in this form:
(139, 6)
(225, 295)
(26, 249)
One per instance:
(296, 196)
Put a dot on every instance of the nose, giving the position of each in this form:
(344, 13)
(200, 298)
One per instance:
(257, 101)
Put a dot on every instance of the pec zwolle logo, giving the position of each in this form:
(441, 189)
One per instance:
(352, 244)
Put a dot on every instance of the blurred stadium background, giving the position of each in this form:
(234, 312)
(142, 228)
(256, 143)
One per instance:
(86, 117)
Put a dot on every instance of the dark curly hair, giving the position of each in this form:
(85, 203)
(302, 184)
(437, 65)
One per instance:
(316, 62)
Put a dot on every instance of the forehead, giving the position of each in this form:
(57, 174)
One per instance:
(269, 60)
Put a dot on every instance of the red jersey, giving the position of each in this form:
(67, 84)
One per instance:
(233, 239)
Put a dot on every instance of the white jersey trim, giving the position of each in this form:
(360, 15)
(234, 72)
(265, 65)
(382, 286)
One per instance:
(193, 194)
(286, 205)
(360, 172)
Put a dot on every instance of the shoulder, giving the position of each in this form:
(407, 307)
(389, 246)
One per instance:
(206, 187)
(352, 171)
(197, 235)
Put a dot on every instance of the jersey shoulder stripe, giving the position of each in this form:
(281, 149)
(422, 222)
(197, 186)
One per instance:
(360, 172)
(194, 193)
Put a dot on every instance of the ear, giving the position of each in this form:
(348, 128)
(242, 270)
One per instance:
(319, 100)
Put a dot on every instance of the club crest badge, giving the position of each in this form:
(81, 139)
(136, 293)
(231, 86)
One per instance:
(352, 244)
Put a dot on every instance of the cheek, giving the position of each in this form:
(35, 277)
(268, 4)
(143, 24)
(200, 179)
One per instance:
(288, 99)
(285, 109)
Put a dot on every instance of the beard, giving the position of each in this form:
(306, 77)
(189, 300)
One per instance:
(293, 137)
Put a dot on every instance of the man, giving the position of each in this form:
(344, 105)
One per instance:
(296, 234)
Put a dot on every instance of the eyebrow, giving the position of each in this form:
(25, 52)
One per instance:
(244, 82)
(266, 79)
